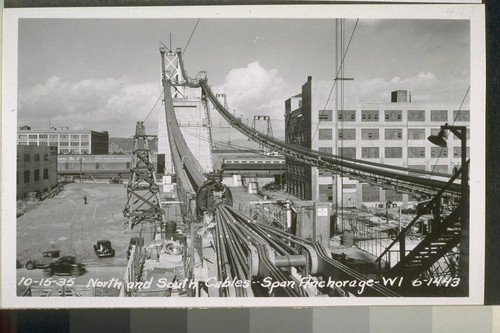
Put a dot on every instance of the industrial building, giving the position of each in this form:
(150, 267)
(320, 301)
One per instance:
(227, 241)
(97, 166)
(393, 133)
(36, 170)
(100, 166)
(67, 141)
(241, 167)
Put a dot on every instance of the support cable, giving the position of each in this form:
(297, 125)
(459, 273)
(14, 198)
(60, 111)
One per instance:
(157, 100)
(192, 33)
(336, 77)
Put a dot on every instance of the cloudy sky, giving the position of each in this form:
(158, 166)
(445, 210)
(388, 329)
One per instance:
(105, 74)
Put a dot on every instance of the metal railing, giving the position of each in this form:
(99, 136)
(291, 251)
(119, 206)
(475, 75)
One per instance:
(401, 238)
(133, 270)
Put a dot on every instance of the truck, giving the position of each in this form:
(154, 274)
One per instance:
(43, 260)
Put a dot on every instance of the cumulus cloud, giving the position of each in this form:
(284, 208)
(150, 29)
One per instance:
(427, 75)
(424, 87)
(395, 79)
(109, 104)
(252, 85)
(254, 90)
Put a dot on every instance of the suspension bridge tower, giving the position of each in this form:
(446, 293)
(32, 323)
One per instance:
(191, 112)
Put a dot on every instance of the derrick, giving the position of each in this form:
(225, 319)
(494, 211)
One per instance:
(143, 195)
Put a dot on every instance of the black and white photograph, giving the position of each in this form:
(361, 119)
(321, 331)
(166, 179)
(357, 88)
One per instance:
(244, 156)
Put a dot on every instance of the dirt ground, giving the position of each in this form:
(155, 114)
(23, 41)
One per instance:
(66, 223)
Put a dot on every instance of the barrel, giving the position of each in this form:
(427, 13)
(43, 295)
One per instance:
(253, 187)
(170, 229)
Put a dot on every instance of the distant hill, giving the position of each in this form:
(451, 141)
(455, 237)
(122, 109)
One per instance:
(126, 145)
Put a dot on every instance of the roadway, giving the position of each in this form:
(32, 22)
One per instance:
(66, 223)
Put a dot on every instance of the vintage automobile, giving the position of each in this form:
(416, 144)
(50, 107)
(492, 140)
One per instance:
(43, 260)
(103, 249)
(67, 265)
(272, 187)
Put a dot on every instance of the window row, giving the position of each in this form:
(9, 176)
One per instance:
(373, 134)
(55, 143)
(435, 168)
(371, 193)
(74, 151)
(36, 175)
(394, 152)
(394, 115)
(36, 157)
(53, 136)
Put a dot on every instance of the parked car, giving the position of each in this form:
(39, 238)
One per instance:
(42, 261)
(115, 180)
(67, 265)
(103, 249)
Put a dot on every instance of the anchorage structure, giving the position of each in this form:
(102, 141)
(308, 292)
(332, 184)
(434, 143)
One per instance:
(445, 237)
(244, 250)
(143, 203)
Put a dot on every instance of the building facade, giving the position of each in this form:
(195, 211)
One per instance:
(36, 169)
(393, 133)
(66, 140)
(100, 166)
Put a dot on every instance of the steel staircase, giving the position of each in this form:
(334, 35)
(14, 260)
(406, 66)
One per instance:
(424, 259)
(442, 239)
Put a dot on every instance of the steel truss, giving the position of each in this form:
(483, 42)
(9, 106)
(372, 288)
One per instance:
(143, 203)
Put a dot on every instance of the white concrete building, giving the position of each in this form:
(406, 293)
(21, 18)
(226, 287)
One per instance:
(66, 140)
(390, 133)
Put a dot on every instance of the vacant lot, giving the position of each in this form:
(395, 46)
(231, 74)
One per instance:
(66, 223)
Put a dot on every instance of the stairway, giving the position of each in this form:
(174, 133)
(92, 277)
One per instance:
(443, 238)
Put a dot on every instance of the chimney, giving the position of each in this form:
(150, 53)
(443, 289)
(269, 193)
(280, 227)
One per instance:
(309, 78)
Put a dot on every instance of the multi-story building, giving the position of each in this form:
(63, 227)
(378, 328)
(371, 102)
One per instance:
(66, 140)
(392, 133)
(36, 169)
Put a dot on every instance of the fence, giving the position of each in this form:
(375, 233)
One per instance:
(134, 269)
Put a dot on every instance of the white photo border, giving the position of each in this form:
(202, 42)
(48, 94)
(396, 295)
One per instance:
(474, 13)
